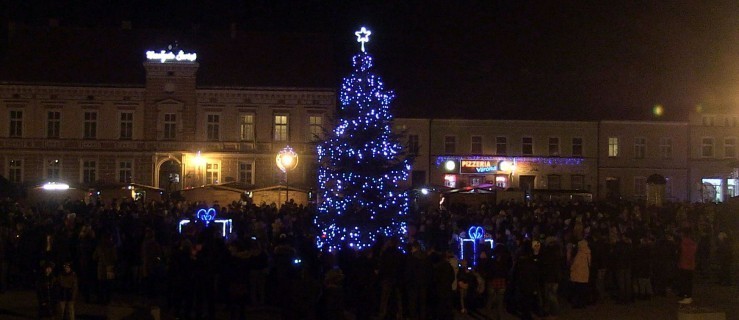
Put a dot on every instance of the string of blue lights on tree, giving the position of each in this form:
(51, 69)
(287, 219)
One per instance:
(361, 163)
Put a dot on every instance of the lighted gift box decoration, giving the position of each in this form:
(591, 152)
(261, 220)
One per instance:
(207, 216)
(468, 243)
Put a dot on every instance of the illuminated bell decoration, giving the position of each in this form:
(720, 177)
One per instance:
(287, 159)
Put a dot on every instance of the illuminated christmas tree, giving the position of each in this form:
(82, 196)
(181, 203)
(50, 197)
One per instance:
(361, 163)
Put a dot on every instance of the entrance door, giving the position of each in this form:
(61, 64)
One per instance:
(526, 183)
(169, 176)
(613, 188)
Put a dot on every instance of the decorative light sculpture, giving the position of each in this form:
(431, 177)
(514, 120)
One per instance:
(207, 216)
(475, 235)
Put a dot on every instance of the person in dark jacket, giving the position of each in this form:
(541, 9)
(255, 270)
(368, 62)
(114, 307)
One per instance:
(725, 255)
(46, 292)
(418, 275)
(443, 275)
(622, 255)
(67, 292)
(552, 262)
(526, 284)
(390, 271)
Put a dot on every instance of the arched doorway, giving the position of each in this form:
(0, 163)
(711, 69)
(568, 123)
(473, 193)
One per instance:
(170, 176)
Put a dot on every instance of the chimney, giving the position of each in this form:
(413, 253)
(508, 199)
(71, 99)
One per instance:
(126, 25)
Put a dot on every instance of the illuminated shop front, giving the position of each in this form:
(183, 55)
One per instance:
(718, 190)
(527, 173)
(462, 172)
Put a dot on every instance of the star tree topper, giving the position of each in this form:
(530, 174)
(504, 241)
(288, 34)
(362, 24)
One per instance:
(363, 36)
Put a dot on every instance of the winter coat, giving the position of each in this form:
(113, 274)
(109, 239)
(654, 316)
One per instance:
(106, 258)
(686, 260)
(580, 269)
(67, 286)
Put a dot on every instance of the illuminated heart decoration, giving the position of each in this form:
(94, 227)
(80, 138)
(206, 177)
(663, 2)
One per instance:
(476, 232)
(206, 215)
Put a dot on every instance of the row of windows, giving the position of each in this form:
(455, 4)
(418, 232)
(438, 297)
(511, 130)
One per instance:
(501, 146)
(212, 127)
(89, 171)
(665, 147)
(710, 121)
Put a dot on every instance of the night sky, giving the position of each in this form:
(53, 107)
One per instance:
(580, 60)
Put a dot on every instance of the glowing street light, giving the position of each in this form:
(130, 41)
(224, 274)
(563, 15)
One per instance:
(55, 186)
(287, 160)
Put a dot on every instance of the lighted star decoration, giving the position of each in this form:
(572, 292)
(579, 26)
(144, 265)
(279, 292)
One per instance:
(363, 36)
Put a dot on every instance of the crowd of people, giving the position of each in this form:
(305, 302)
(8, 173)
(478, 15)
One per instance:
(545, 258)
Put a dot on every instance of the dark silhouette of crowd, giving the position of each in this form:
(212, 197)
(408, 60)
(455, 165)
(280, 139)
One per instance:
(547, 257)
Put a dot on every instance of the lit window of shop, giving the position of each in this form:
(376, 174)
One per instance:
(501, 146)
(476, 144)
(612, 147)
(707, 148)
(212, 173)
(501, 181)
(450, 180)
(450, 144)
(527, 146)
(246, 172)
(476, 181)
(640, 147)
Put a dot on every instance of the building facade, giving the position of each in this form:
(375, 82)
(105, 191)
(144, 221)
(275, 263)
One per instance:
(168, 132)
(713, 154)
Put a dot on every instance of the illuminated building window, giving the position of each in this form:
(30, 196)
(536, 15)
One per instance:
(612, 147)
(450, 144)
(53, 169)
(527, 146)
(126, 125)
(316, 127)
(665, 148)
(247, 127)
(501, 146)
(170, 126)
(212, 173)
(577, 147)
(53, 124)
(501, 181)
(125, 171)
(213, 127)
(707, 148)
(554, 182)
(554, 146)
(89, 171)
(15, 171)
(708, 121)
(16, 124)
(640, 147)
(476, 181)
(246, 172)
(413, 146)
(90, 125)
(280, 127)
(577, 182)
(476, 144)
(640, 186)
(450, 180)
(730, 147)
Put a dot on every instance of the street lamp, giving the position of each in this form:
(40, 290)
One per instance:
(287, 160)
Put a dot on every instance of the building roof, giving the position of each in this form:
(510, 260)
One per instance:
(115, 57)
